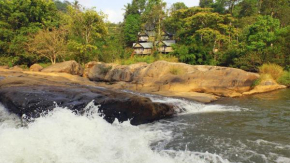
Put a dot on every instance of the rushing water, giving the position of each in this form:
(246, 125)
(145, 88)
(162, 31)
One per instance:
(249, 129)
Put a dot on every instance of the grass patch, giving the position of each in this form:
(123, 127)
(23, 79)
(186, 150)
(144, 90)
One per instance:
(285, 79)
(256, 83)
(263, 77)
(44, 65)
(272, 69)
(24, 67)
(174, 70)
(148, 59)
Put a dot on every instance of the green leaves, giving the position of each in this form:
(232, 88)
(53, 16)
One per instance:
(131, 28)
(263, 33)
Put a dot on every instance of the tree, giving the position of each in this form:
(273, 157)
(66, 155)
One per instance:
(19, 18)
(205, 33)
(50, 44)
(263, 33)
(177, 6)
(153, 17)
(224, 6)
(132, 21)
(277, 9)
(261, 44)
(132, 26)
(135, 7)
(247, 8)
(111, 48)
(205, 3)
(86, 28)
(62, 6)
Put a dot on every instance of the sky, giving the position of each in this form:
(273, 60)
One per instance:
(115, 8)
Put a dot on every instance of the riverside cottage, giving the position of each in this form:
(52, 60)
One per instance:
(146, 40)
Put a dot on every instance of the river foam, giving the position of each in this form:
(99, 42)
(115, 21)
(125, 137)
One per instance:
(64, 137)
(190, 107)
(183, 106)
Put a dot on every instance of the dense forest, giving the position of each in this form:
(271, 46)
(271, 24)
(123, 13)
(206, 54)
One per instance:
(236, 33)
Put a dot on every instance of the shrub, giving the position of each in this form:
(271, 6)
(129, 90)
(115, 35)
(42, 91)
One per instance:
(285, 78)
(272, 69)
(263, 77)
(176, 70)
(8, 61)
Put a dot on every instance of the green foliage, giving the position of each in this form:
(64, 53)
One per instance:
(177, 6)
(256, 83)
(246, 8)
(237, 33)
(44, 65)
(86, 28)
(148, 59)
(132, 26)
(62, 6)
(276, 9)
(8, 61)
(263, 33)
(202, 34)
(18, 19)
(205, 3)
(136, 59)
(285, 78)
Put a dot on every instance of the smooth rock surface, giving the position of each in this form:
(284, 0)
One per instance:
(16, 68)
(32, 93)
(178, 79)
(35, 67)
(265, 86)
(70, 67)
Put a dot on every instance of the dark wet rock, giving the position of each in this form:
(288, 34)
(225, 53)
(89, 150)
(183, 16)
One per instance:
(33, 94)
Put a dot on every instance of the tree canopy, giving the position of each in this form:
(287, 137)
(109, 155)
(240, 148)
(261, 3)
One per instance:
(236, 33)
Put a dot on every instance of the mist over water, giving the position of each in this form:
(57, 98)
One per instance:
(233, 130)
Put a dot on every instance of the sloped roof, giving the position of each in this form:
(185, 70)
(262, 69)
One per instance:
(145, 45)
(167, 42)
(147, 33)
(142, 34)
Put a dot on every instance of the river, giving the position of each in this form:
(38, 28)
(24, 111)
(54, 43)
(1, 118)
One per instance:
(249, 129)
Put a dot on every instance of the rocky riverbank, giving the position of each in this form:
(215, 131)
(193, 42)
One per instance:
(34, 92)
(195, 82)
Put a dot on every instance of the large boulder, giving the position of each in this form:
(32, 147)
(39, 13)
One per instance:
(98, 71)
(163, 76)
(70, 67)
(16, 68)
(26, 93)
(35, 67)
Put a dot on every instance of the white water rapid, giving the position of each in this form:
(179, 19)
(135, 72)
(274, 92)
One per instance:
(64, 137)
